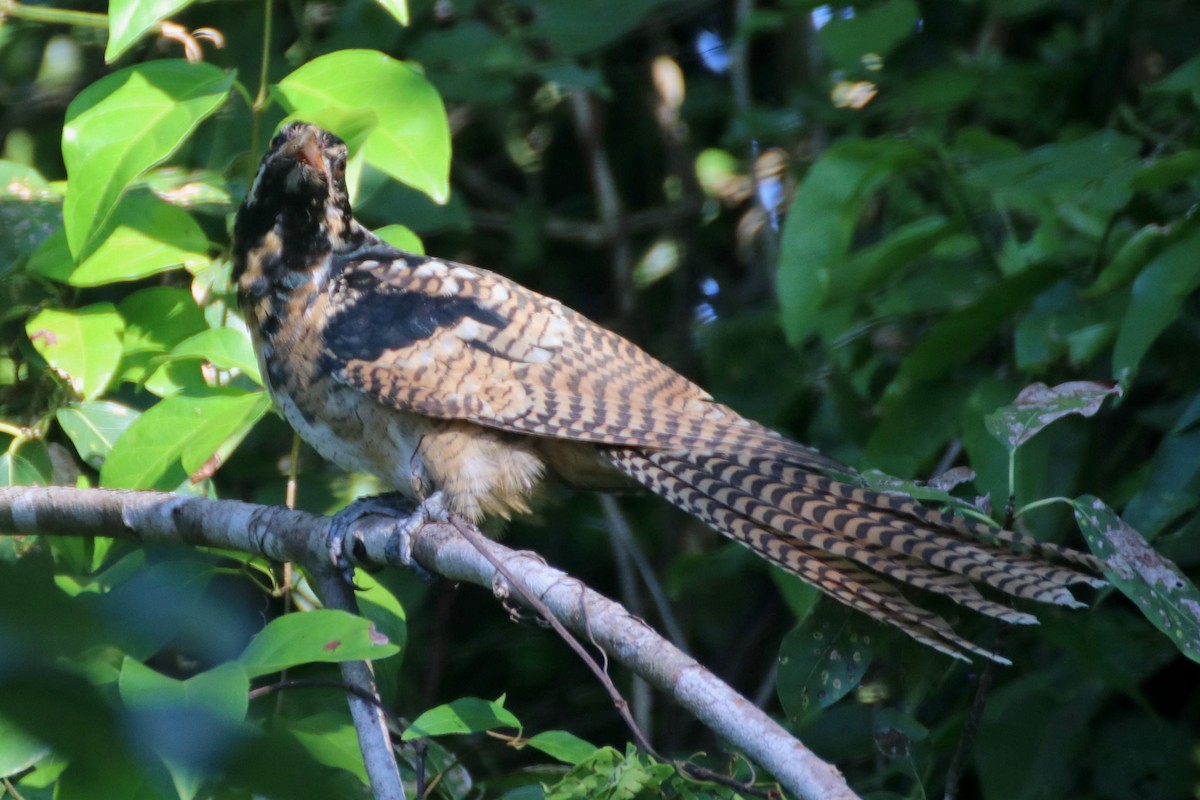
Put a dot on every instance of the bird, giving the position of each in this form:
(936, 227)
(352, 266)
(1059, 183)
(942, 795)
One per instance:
(454, 384)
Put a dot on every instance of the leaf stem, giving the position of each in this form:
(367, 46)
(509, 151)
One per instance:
(1045, 501)
(60, 16)
(13, 431)
(260, 99)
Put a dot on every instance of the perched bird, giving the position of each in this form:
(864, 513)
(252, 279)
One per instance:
(449, 381)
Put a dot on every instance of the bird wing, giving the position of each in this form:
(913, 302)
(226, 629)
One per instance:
(453, 341)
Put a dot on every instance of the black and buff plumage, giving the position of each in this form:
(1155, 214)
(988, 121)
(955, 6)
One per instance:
(437, 376)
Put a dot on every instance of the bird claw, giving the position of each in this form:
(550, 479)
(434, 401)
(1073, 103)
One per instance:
(393, 513)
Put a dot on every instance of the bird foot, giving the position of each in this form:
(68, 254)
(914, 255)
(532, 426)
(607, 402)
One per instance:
(393, 513)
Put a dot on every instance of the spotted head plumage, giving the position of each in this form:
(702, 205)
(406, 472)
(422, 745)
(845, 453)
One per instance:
(297, 210)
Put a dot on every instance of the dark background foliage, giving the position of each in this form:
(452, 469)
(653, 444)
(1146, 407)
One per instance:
(952, 200)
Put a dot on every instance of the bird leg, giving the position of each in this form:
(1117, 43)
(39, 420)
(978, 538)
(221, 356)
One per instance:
(394, 513)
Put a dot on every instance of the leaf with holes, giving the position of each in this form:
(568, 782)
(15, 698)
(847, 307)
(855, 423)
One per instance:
(821, 661)
(1038, 405)
(1158, 587)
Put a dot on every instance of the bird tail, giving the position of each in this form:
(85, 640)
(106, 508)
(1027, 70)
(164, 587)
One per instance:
(856, 545)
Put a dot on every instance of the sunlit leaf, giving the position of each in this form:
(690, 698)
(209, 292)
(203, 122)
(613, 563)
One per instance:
(156, 320)
(93, 427)
(409, 136)
(84, 345)
(128, 20)
(397, 8)
(177, 436)
(317, 636)
(226, 348)
(26, 464)
(465, 715)
(222, 691)
(566, 747)
(144, 237)
(402, 237)
(122, 125)
(332, 741)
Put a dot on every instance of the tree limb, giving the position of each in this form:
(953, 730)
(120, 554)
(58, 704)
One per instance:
(283, 535)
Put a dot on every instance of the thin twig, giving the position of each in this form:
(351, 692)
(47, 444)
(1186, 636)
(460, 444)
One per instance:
(970, 727)
(608, 199)
(477, 540)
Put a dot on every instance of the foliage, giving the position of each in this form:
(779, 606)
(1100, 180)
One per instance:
(871, 225)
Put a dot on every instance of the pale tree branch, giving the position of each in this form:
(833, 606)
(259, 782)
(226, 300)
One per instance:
(283, 535)
(370, 722)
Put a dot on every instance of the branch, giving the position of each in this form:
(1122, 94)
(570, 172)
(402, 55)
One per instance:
(283, 535)
(370, 722)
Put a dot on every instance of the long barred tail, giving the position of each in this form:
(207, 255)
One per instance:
(826, 532)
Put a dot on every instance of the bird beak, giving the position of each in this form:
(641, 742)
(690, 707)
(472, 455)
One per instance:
(306, 148)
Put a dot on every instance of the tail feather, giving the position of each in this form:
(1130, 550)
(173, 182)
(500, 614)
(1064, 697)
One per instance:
(790, 473)
(825, 532)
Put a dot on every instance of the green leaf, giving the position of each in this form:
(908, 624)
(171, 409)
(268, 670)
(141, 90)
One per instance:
(566, 747)
(875, 30)
(1038, 405)
(1168, 171)
(1095, 171)
(156, 320)
(93, 427)
(402, 237)
(1171, 486)
(177, 436)
(129, 20)
(225, 348)
(1129, 260)
(223, 691)
(409, 135)
(872, 265)
(1157, 294)
(331, 740)
(121, 126)
(18, 750)
(23, 182)
(83, 346)
(822, 219)
(957, 337)
(579, 26)
(1184, 79)
(324, 636)
(26, 464)
(1158, 587)
(145, 236)
(822, 660)
(465, 715)
(397, 8)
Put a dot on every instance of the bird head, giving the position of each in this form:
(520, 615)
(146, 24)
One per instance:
(298, 199)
